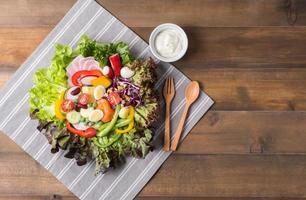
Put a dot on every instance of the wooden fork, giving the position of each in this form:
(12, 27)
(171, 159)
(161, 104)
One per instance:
(168, 92)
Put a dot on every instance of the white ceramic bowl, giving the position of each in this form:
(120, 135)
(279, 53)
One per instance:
(161, 28)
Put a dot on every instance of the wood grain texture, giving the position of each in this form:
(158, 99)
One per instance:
(16, 44)
(246, 47)
(33, 12)
(201, 13)
(253, 89)
(60, 197)
(223, 176)
(212, 176)
(223, 132)
(151, 13)
(242, 47)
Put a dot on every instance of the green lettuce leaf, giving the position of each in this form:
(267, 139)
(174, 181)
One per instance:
(144, 72)
(78, 148)
(49, 83)
(145, 77)
(136, 143)
(101, 51)
(86, 46)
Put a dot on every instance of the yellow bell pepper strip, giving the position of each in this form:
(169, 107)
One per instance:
(131, 124)
(102, 80)
(57, 108)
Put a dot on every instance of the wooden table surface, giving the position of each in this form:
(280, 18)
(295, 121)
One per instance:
(251, 60)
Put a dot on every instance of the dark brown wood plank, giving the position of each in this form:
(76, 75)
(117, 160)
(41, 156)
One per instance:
(18, 43)
(223, 132)
(33, 12)
(245, 89)
(223, 176)
(253, 89)
(58, 197)
(201, 13)
(217, 198)
(192, 12)
(240, 132)
(8, 146)
(38, 197)
(212, 176)
(242, 47)
(256, 47)
(5, 74)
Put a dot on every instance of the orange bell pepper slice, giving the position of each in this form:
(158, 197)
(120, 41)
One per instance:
(105, 106)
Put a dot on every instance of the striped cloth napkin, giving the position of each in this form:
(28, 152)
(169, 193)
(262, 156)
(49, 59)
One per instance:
(88, 17)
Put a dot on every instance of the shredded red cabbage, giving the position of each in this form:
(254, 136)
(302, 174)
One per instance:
(130, 90)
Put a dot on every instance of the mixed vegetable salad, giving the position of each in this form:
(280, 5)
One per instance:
(97, 102)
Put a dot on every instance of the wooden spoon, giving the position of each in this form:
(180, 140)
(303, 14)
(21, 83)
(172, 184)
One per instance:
(191, 94)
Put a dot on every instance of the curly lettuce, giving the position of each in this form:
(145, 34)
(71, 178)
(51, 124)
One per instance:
(145, 77)
(48, 84)
(78, 148)
(144, 73)
(101, 51)
(136, 143)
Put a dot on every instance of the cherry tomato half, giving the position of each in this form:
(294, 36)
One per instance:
(114, 98)
(90, 132)
(84, 99)
(67, 106)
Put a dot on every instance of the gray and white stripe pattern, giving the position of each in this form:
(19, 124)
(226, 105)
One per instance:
(88, 17)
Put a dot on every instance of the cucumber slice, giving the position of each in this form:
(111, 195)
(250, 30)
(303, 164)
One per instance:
(85, 112)
(73, 117)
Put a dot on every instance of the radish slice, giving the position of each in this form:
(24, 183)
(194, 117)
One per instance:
(92, 63)
(72, 94)
(85, 60)
(73, 67)
(87, 80)
(81, 63)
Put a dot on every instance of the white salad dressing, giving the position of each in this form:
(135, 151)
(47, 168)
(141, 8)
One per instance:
(168, 43)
